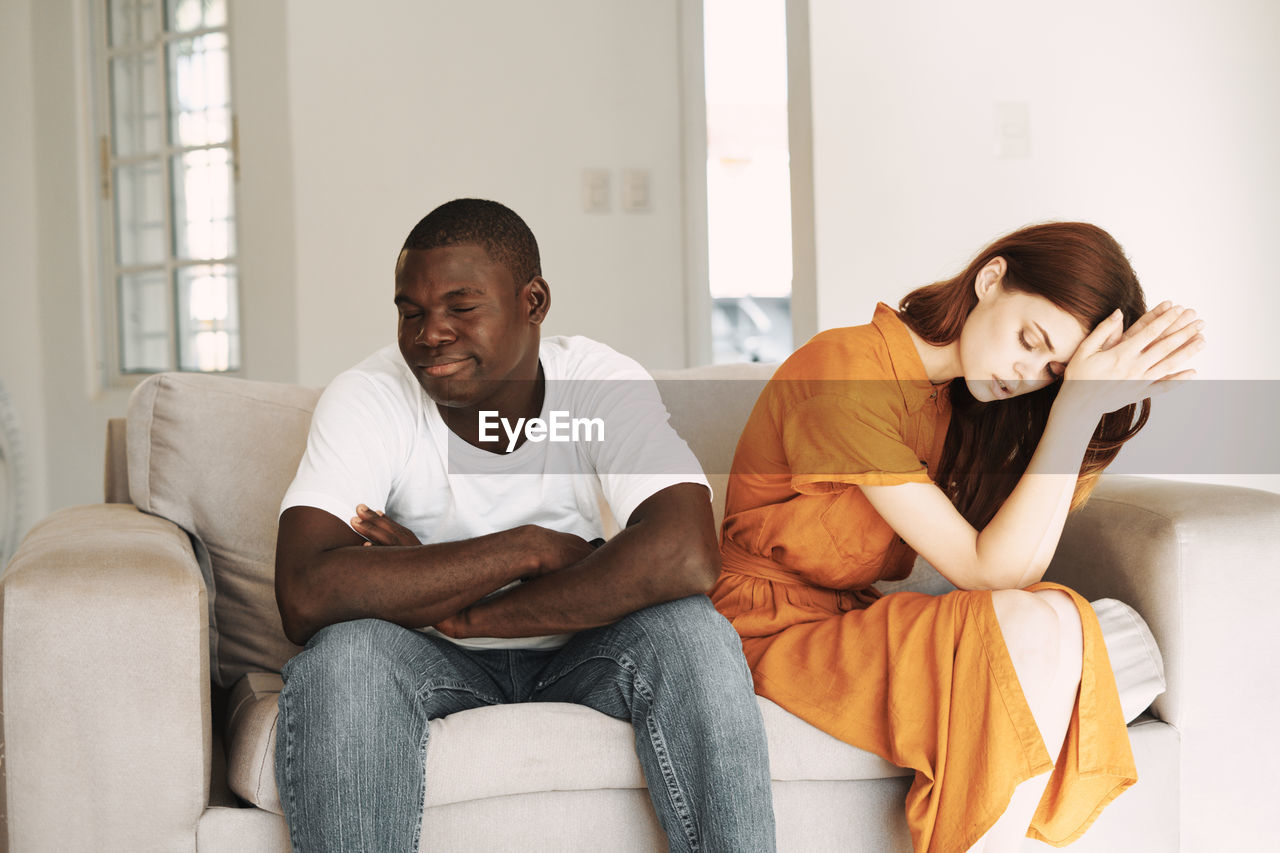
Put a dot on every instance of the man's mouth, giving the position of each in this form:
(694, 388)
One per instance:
(444, 367)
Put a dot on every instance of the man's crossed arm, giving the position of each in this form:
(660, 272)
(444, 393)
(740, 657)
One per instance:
(324, 574)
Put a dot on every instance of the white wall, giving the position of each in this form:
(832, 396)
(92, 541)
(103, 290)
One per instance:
(397, 110)
(20, 371)
(265, 193)
(352, 126)
(75, 412)
(1157, 119)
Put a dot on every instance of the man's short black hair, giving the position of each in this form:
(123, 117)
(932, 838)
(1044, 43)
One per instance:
(494, 227)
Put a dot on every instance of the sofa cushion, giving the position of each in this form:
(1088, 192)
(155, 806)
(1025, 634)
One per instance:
(214, 454)
(486, 752)
(1135, 658)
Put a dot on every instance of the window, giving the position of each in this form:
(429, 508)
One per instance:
(748, 180)
(167, 148)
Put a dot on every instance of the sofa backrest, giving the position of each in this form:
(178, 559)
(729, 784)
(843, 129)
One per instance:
(709, 407)
(215, 454)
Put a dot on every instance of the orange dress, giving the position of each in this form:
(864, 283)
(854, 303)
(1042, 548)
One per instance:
(926, 682)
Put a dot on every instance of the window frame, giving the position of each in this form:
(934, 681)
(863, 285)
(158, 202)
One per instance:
(109, 268)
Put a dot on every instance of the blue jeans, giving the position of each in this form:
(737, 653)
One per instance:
(352, 735)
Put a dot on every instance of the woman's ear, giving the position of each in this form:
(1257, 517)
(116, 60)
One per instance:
(989, 277)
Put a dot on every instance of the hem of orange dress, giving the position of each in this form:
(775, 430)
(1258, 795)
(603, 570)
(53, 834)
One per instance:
(1105, 801)
(1038, 761)
(1127, 775)
(1015, 701)
(1016, 707)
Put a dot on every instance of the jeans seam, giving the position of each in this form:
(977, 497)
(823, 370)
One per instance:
(455, 687)
(422, 772)
(675, 795)
(288, 771)
(678, 801)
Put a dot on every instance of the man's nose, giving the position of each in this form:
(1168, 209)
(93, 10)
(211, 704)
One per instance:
(435, 330)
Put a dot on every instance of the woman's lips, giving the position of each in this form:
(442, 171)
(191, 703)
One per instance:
(999, 392)
(447, 368)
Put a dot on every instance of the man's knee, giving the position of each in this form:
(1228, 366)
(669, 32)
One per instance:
(690, 621)
(689, 635)
(348, 657)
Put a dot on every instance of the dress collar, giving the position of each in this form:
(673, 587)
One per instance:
(908, 369)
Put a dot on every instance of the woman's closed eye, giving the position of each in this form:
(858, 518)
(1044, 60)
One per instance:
(1026, 344)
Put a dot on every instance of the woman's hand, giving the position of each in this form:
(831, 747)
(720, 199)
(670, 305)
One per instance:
(380, 530)
(1115, 367)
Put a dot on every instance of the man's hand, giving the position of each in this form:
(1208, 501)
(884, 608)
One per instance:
(380, 530)
(556, 550)
(562, 549)
(668, 550)
(552, 549)
(323, 575)
(457, 626)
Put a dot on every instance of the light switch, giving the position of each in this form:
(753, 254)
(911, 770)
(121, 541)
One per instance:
(595, 190)
(635, 191)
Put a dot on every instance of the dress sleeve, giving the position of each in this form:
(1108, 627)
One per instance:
(833, 441)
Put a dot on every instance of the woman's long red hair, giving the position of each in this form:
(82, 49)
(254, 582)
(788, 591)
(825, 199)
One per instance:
(1079, 268)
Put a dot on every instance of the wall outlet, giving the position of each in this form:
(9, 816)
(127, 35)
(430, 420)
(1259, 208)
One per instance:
(635, 191)
(596, 190)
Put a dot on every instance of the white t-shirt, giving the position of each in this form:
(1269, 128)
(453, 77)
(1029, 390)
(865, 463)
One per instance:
(376, 438)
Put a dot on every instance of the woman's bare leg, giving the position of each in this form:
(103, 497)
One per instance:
(1045, 639)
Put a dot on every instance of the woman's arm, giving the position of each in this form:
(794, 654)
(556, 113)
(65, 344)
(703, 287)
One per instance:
(1108, 371)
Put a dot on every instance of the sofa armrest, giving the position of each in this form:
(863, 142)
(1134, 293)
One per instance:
(1201, 563)
(106, 684)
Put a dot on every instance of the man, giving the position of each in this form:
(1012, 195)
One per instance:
(491, 545)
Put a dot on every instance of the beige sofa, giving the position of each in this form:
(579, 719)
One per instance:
(141, 642)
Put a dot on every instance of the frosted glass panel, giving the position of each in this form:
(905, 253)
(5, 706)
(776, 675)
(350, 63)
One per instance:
(144, 322)
(187, 15)
(199, 96)
(208, 328)
(140, 214)
(202, 211)
(132, 21)
(137, 113)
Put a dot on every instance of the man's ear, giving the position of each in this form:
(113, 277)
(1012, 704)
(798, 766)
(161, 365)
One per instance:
(537, 299)
(991, 275)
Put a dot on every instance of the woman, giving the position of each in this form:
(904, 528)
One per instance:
(951, 420)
